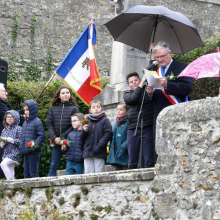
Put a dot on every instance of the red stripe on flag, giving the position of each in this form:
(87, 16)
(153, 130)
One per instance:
(88, 92)
(94, 75)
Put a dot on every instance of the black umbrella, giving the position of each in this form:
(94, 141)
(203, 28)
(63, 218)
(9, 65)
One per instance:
(142, 25)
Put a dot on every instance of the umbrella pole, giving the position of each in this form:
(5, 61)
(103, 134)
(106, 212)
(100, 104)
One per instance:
(152, 44)
(155, 28)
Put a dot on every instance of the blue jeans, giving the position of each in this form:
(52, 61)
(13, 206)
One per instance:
(134, 147)
(55, 160)
(31, 163)
(74, 167)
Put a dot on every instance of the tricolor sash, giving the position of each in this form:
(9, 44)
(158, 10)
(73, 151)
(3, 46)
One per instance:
(171, 98)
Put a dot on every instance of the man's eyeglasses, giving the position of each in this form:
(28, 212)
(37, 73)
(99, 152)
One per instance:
(75, 121)
(9, 117)
(161, 57)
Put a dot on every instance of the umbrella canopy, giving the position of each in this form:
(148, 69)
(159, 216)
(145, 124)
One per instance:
(203, 67)
(142, 25)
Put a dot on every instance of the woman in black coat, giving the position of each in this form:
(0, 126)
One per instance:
(63, 106)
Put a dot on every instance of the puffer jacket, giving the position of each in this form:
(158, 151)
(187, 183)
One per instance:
(32, 129)
(75, 151)
(133, 99)
(97, 138)
(59, 121)
(118, 148)
(11, 148)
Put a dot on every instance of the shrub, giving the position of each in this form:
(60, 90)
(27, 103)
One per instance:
(208, 86)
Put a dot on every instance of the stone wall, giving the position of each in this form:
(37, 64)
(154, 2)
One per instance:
(118, 195)
(188, 166)
(184, 185)
(60, 23)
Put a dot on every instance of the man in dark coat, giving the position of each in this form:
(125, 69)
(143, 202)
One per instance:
(4, 107)
(176, 90)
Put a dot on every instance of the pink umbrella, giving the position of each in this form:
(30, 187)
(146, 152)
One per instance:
(203, 67)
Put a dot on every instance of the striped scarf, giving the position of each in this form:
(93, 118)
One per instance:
(96, 117)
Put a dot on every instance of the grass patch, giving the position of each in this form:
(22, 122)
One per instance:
(84, 190)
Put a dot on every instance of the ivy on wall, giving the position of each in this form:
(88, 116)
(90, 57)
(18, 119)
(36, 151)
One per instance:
(32, 69)
(12, 76)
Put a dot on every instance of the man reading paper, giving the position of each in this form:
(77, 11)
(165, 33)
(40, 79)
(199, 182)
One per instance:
(176, 90)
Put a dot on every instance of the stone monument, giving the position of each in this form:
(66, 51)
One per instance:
(125, 59)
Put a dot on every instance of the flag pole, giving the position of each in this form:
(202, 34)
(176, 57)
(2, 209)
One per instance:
(93, 19)
(44, 87)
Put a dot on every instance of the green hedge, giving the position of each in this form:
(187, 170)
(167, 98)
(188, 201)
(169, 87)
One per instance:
(207, 86)
(18, 92)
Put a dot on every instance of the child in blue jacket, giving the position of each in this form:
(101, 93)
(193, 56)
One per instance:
(118, 155)
(74, 154)
(32, 132)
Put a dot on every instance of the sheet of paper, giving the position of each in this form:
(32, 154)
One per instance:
(152, 77)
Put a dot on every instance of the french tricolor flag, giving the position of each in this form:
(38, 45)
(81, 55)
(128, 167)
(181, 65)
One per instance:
(79, 70)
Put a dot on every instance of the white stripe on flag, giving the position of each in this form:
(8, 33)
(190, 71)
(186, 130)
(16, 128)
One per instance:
(78, 75)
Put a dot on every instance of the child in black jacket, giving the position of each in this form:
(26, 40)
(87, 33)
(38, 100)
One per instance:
(133, 100)
(96, 135)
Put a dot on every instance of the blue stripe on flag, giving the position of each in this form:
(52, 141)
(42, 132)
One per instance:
(74, 54)
(94, 35)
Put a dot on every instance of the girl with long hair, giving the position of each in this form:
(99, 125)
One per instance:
(59, 124)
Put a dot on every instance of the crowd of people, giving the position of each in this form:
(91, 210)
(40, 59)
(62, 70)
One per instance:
(84, 139)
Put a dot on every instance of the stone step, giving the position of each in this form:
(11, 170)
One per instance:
(108, 168)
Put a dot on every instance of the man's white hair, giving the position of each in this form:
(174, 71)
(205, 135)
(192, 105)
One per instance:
(161, 44)
(2, 85)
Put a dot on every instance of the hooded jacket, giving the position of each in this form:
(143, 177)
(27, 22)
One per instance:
(32, 129)
(11, 148)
